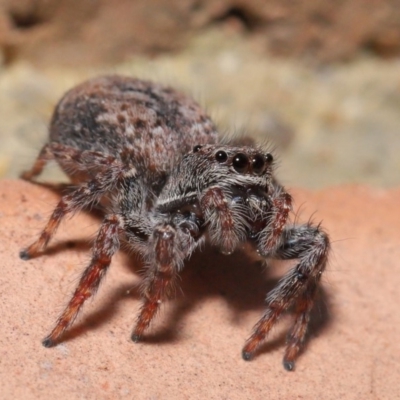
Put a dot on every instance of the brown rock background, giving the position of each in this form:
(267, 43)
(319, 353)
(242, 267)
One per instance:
(70, 32)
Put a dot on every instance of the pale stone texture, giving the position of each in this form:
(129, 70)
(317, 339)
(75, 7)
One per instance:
(193, 349)
(329, 126)
(331, 123)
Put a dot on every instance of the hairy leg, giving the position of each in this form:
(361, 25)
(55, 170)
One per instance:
(310, 245)
(271, 236)
(106, 173)
(297, 334)
(226, 227)
(44, 156)
(73, 160)
(105, 246)
(162, 274)
(83, 196)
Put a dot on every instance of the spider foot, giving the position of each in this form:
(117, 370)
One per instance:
(247, 355)
(25, 255)
(288, 365)
(47, 342)
(136, 337)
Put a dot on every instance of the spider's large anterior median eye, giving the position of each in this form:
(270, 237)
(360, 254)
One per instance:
(221, 156)
(257, 163)
(240, 162)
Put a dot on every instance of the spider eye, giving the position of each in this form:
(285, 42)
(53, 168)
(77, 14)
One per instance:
(197, 148)
(269, 158)
(221, 156)
(258, 162)
(240, 162)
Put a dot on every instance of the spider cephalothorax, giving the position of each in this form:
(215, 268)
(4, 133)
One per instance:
(170, 185)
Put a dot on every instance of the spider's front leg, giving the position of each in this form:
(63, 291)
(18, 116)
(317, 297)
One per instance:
(166, 259)
(271, 236)
(310, 245)
(106, 244)
(226, 225)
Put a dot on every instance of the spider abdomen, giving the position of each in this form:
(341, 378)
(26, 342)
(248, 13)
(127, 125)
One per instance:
(146, 123)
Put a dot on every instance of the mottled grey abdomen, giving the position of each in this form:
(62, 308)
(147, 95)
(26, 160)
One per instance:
(154, 125)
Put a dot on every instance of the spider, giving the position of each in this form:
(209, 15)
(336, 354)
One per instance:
(151, 159)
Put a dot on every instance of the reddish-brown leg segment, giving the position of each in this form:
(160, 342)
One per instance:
(159, 283)
(106, 171)
(311, 246)
(225, 228)
(82, 197)
(44, 156)
(272, 234)
(106, 244)
(93, 163)
(73, 160)
(298, 332)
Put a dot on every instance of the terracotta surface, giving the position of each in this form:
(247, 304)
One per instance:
(193, 349)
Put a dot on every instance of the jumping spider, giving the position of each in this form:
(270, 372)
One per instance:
(151, 159)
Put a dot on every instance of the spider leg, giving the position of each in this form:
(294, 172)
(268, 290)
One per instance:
(105, 246)
(161, 278)
(310, 245)
(83, 196)
(226, 226)
(271, 236)
(73, 160)
(108, 174)
(296, 337)
(44, 156)
(90, 162)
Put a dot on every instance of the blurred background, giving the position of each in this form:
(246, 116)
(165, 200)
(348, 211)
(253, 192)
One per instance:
(318, 79)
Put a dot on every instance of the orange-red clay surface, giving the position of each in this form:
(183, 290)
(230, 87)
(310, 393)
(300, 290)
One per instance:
(193, 350)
